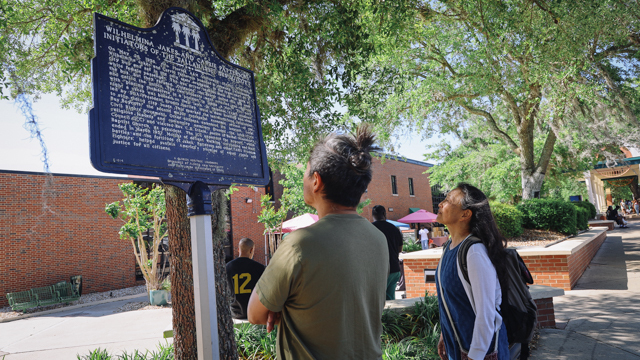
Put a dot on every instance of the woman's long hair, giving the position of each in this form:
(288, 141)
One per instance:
(483, 225)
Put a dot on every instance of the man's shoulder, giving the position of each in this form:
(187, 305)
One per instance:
(382, 224)
(386, 226)
(244, 262)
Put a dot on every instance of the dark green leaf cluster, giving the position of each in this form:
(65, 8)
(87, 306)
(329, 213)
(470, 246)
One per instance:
(582, 218)
(587, 205)
(508, 218)
(548, 214)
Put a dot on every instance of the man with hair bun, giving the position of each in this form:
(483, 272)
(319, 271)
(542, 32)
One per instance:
(325, 285)
(243, 274)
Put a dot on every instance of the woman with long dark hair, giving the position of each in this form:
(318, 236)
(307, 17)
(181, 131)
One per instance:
(469, 310)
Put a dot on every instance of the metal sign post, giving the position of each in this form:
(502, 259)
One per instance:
(200, 211)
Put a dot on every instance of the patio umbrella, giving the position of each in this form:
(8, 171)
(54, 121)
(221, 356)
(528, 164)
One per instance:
(420, 216)
(398, 224)
(299, 222)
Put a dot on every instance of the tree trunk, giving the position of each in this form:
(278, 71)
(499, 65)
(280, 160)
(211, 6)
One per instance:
(531, 182)
(184, 313)
(184, 322)
(224, 297)
(634, 188)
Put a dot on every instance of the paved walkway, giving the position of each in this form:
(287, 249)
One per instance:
(599, 319)
(65, 334)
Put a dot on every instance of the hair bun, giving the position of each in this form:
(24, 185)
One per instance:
(360, 160)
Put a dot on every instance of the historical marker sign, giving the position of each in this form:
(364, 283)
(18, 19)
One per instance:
(167, 105)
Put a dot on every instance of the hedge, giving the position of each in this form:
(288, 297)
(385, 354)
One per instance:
(548, 214)
(582, 218)
(508, 218)
(591, 209)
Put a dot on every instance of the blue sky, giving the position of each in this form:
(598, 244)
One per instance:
(66, 136)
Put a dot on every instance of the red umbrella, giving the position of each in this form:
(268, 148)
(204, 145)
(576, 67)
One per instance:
(299, 222)
(420, 216)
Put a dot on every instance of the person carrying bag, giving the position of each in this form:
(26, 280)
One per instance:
(472, 326)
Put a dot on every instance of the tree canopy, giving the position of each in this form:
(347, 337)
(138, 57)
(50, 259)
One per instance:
(305, 54)
(560, 72)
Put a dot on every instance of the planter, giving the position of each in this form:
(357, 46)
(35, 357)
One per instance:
(159, 297)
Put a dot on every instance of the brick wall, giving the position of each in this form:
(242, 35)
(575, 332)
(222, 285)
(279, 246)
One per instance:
(551, 270)
(416, 287)
(51, 232)
(244, 220)
(580, 260)
(379, 190)
(561, 271)
(414, 277)
(546, 315)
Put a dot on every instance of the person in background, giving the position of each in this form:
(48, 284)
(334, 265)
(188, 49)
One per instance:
(619, 217)
(243, 274)
(471, 309)
(636, 205)
(325, 285)
(424, 234)
(394, 244)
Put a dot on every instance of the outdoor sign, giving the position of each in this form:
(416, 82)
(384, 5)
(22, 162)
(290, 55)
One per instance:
(166, 105)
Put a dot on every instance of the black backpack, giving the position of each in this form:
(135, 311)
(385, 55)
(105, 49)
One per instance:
(518, 310)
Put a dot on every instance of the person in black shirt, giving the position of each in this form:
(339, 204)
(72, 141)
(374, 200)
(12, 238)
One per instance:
(394, 242)
(243, 274)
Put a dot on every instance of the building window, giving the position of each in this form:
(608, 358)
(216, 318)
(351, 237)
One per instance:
(411, 187)
(394, 187)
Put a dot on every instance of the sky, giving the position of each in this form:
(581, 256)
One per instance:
(66, 135)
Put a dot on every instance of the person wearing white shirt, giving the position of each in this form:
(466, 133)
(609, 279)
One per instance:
(424, 234)
(469, 310)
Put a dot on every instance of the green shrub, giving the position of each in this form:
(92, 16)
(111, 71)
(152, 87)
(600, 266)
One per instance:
(582, 218)
(165, 352)
(547, 214)
(410, 246)
(508, 218)
(591, 209)
(413, 348)
(254, 342)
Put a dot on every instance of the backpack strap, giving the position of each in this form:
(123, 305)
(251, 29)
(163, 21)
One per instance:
(470, 240)
(462, 254)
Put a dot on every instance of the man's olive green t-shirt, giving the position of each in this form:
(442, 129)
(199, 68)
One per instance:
(329, 282)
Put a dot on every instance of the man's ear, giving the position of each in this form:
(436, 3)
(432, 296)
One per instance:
(317, 185)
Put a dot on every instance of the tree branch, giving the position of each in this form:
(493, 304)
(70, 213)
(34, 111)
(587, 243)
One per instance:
(547, 151)
(492, 125)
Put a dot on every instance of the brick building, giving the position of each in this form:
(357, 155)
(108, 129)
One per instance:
(54, 226)
(398, 184)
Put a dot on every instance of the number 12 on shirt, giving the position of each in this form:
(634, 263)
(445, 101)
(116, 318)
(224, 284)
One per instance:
(242, 289)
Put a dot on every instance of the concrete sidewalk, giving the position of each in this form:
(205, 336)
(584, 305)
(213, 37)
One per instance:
(599, 318)
(72, 332)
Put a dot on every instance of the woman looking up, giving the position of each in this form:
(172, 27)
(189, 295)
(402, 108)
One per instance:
(472, 307)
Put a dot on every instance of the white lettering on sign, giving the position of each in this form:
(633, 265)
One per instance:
(174, 98)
